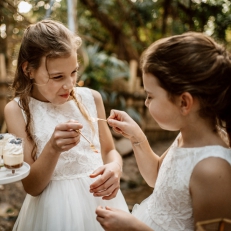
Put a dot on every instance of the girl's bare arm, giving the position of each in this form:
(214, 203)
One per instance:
(111, 171)
(147, 161)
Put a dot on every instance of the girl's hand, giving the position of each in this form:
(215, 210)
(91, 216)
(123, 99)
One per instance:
(112, 219)
(108, 184)
(122, 123)
(65, 136)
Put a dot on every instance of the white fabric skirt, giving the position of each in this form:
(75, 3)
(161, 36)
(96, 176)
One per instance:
(140, 211)
(65, 205)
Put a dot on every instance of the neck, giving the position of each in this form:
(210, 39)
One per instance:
(200, 133)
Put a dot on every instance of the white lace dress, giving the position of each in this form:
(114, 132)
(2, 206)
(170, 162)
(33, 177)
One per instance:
(66, 203)
(169, 207)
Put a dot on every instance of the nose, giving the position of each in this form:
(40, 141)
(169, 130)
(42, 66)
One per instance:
(146, 102)
(69, 83)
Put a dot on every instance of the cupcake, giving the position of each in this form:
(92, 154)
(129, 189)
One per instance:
(13, 153)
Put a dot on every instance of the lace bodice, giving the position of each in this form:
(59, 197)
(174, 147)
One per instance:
(170, 205)
(80, 160)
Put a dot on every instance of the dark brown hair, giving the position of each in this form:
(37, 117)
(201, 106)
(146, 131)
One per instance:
(194, 63)
(50, 39)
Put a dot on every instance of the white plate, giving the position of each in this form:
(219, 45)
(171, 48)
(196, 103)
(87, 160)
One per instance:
(6, 175)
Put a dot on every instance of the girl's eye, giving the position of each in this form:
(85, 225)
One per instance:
(57, 77)
(74, 72)
(148, 97)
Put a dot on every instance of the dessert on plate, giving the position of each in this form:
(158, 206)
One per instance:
(13, 153)
(4, 138)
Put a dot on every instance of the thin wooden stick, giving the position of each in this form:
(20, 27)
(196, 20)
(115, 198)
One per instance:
(97, 119)
(101, 119)
(78, 131)
(92, 146)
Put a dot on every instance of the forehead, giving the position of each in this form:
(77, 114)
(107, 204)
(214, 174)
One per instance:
(59, 63)
(150, 82)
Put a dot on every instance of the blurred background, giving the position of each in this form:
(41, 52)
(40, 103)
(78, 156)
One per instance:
(114, 34)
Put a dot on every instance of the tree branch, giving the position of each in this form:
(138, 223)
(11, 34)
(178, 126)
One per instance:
(125, 50)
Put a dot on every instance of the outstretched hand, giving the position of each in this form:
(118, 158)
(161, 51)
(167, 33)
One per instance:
(108, 184)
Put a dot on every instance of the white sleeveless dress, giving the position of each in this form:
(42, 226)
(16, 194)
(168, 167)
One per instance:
(66, 203)
(169, 207)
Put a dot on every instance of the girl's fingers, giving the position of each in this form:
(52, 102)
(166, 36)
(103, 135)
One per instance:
(107, 194)
(112, 195)
(65, 138)
(98, 171)
(114, 114)
(100, 211)
(105, 190)
(68, 146)
(103, 181)
(117, 130)
(69, 126)
(109, 182)
(108, 190)
(109, 208)
(114, 122)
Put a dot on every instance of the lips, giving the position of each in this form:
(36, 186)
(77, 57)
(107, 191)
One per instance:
(65, 95)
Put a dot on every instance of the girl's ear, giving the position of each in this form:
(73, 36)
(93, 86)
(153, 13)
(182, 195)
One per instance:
(25, 68)
(186, 103)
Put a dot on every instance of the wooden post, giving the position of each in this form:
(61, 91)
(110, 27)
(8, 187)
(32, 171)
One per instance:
(3, 128)
(133, 76)
(3, 91)
(2, 68)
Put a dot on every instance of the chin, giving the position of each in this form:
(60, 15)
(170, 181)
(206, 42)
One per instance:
(171, 129)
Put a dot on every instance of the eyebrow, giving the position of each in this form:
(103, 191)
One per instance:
(147, 92)
(59, 73)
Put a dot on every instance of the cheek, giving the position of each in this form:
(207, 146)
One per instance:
(152, 109)
(158, 112)
(54, 86)
(51, 88)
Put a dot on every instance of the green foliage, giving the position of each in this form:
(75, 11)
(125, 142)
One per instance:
(101, 72)
(116, 100)
(102, 69)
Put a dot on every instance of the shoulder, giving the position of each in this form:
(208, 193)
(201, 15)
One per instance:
(210, 187)
(98, 102)
(14, 119)
(211, 168)
(88, 91)
(94, 94)
(12, 107)
(97, 96)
